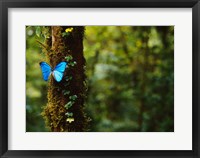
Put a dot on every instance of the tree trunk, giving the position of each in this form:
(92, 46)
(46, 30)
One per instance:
(58, 115)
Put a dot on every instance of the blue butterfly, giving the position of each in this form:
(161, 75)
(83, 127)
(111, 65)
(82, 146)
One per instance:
(57, 72)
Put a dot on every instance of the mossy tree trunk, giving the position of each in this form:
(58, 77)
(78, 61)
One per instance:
(71, 89)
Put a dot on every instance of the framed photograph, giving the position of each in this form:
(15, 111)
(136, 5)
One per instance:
(99, 78)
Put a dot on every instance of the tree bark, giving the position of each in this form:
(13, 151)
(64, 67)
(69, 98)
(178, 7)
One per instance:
(60, 93)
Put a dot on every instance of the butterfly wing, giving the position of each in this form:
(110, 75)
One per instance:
(57, 75)
(58, 72)
(46, 70)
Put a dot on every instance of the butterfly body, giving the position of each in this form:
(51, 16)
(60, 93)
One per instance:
(57, 72)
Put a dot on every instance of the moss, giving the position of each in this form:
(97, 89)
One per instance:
(59, 93)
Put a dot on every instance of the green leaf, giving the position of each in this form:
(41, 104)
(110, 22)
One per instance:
(69, 104)
(70, 120)
(38, 31)
(68, 58)
(66, 92)
(69, 114)
(65, 34)
(72, 63)
(73, 97)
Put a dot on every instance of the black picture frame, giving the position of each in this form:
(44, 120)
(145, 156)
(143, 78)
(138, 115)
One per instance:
(5, 4)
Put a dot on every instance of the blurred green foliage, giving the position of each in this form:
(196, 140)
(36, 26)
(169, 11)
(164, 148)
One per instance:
(130, 78)
(36, 88)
